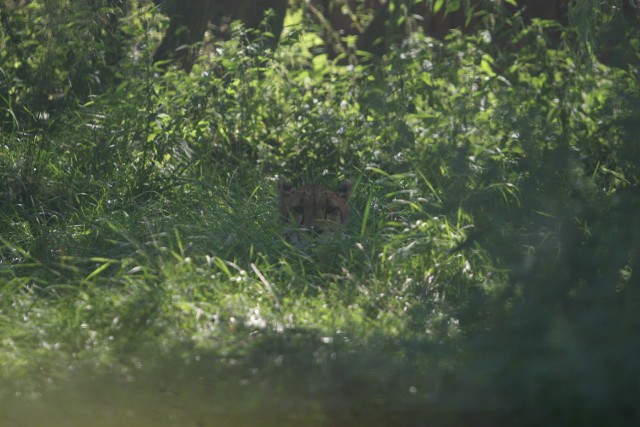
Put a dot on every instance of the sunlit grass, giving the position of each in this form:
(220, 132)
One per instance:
(144, 279)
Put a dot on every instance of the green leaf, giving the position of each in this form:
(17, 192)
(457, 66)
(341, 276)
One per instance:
(100, 269)
(437, 6)
(485, 64)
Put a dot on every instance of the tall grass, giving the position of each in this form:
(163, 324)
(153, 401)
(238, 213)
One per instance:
(491, 248)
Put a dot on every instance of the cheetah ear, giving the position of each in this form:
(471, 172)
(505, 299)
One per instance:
(284, 187)
(344, 189)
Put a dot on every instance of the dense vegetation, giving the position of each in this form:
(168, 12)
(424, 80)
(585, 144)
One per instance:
(489, 273)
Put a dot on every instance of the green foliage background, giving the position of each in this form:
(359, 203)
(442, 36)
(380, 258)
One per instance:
(489, 271)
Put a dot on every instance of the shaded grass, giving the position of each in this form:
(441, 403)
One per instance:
(141, 250)
(183, 308)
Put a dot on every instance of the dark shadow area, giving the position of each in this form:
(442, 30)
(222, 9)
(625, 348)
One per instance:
(296, 378)
(302, 378)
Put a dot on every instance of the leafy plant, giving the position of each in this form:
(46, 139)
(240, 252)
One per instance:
(492, 247)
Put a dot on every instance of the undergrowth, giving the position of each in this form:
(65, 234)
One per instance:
(492, 246)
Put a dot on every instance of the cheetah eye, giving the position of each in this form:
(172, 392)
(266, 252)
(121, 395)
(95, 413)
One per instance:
(330, 210)
(298, 209)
